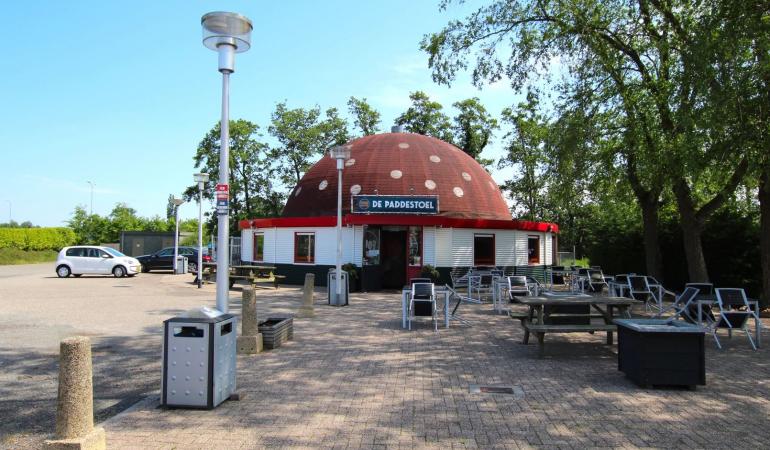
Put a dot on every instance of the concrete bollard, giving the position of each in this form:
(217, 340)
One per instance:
(250, 340)
(75, 403)
(306, 310)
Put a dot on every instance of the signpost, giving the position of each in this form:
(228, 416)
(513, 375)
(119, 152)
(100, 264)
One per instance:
(395, 204)
(223, 199)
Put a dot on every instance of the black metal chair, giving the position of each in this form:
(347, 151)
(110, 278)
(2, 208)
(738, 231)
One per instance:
(595, 281)
(731, 319)
(639, 289)
(423, 303)
(558, 278)
(683, 306)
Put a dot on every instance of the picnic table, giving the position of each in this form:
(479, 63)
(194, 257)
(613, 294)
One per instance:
(245, 272)
(535, 320)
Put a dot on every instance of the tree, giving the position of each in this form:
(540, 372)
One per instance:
(525, 146)
(473, 128)
(365, 117)
(170, 207)
(665, 59)
(252, 173)
(425, 117)
(303, 136)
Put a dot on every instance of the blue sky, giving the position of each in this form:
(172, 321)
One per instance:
(120, 93)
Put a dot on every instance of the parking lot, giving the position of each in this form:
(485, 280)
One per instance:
(123, 317)
(352, 378)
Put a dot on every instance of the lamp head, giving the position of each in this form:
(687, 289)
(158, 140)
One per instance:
(341, 152)
(201, 177)
(177, 201)
(226, 28)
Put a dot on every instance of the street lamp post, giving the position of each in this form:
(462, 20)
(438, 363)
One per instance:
(92, 197)
(341, 154)
(177, 202)
(201, 179)
(226, 33)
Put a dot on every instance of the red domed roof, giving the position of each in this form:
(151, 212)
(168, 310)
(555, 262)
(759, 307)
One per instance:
(401, 164)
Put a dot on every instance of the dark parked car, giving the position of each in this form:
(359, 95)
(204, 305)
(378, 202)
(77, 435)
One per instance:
(163, 259)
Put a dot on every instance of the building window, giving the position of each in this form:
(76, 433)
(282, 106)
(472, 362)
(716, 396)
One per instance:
(533, 249)
(483, 250)
(415, 246)
(259, 247)
(304, 248)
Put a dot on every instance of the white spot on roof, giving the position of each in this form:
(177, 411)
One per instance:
(350, 162)
(323, 185)
(430, 184)
(403, 145)
(466, 176)
(355, 189)
(296, 192)
(458, 191)
(395, 174)
(435, 159)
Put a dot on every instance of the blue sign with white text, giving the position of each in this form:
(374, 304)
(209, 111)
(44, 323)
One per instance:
(395, 204)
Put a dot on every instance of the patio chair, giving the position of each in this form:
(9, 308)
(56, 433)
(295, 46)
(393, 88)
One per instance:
(535, 288)
(683, 306)
(517, 285)
(620, 285)
(639, 289)
(419, 280)
(483, 286)
(731, 319)
(595, 281)
(423, 303)
(706, 289)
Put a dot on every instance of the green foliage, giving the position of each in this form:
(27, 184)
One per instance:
(12, 256)
(425, 117)
(473, 127)
(303, 136)
(365, 117)
(428, 271)
(14, 224)
(36, 238)
(351, 269)
(252, 174)
(96, 229)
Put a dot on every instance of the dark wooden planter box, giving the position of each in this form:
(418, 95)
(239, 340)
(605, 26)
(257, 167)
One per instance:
(659, 352)
(276, 330)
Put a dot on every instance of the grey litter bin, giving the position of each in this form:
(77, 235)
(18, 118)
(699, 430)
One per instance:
(198, 361)
(331, 288)
(181, 265)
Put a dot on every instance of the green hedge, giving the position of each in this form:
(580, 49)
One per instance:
(36, 238)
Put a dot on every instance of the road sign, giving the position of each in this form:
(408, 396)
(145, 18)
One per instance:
(223, 191)
(222, 206)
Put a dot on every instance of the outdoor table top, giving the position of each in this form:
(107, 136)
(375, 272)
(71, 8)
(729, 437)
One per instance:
(576, 300)
(248, 266)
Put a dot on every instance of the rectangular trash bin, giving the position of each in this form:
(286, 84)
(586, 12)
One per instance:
(199, 361)
(181, 265)
(331, 288)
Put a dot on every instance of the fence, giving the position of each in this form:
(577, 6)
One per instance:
(235, 249)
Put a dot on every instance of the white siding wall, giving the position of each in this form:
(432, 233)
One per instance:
(358, 245)
(429, 245)
(462, 247)
(521, 248)
(443, 247)
(270, 247)
(548, 248)
(247, 244)
(505, 247)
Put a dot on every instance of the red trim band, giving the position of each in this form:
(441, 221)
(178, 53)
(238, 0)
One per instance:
(398, 219)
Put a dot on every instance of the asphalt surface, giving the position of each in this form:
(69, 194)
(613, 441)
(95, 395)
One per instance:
(122, 316)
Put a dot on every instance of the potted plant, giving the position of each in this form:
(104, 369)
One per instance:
(429, 271)
(351, 269)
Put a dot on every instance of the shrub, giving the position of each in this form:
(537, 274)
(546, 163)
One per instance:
(429, 271)
(36, 238)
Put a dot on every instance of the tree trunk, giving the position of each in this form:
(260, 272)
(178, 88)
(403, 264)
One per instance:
(691, 233)
(653, 258)
(764, 233)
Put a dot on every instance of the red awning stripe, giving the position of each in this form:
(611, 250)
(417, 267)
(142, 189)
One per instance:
(398, 219)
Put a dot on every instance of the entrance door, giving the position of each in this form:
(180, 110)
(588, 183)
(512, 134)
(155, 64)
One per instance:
(393, 259)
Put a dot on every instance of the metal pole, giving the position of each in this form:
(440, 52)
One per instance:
(176, 237)
(340, 162)
(200, 234)
(92, 197)
(223, 220)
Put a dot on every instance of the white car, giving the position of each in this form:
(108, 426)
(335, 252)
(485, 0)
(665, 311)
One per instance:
(91, 259)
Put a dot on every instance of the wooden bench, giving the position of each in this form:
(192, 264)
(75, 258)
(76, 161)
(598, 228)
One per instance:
(540, 330)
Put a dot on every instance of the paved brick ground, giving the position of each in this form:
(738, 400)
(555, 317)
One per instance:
(352, 378)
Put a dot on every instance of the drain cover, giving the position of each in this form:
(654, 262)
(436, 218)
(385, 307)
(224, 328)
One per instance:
(516, 391)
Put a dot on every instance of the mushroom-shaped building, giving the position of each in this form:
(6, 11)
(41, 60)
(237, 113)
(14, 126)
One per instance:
(408, 201)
